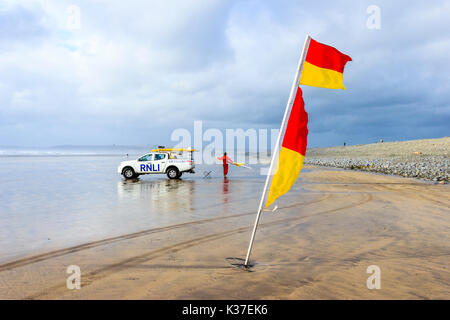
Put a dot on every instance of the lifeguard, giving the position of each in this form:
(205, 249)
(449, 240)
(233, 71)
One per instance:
(226, 160)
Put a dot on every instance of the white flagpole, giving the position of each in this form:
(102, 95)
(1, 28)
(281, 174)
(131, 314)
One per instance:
(277, 145)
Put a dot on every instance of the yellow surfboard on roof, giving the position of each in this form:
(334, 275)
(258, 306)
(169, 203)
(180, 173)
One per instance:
(173, 150)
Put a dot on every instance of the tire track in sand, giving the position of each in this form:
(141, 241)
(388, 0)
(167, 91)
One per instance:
(108, 270)
(412, 192)
(93, 244)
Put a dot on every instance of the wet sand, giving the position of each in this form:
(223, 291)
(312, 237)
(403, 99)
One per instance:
(317, 245)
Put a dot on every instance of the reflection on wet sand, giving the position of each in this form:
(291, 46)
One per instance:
(165, 195)
(225, 190)
(45, 213)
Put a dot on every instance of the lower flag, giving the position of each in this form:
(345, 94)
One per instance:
(292, 152)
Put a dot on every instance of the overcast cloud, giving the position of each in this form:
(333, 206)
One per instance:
(136, 70)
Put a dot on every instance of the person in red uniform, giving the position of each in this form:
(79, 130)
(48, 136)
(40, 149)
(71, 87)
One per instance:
(225, 160)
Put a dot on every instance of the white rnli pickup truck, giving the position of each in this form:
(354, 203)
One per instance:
(172, 162)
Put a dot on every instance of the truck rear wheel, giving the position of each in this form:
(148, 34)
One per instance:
(173, 173)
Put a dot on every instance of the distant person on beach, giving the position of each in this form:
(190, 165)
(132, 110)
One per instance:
(225, 160)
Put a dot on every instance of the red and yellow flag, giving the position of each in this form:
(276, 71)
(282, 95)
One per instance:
(323, 67)
(292, 152)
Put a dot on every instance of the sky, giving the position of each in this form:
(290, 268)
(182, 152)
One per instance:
(98, 72)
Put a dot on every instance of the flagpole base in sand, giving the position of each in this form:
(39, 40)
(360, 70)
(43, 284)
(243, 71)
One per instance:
(239, 263)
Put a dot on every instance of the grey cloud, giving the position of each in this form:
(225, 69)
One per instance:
(139, 70)
(19, 25)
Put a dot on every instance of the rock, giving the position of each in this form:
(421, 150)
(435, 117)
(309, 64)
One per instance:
(433, 168)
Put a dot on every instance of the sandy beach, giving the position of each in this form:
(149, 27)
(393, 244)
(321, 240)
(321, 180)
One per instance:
(317, 245)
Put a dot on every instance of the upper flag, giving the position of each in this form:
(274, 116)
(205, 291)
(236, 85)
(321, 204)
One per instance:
(324, 66)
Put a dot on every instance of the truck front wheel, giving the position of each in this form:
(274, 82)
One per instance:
(173, 173)
(128, 173)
